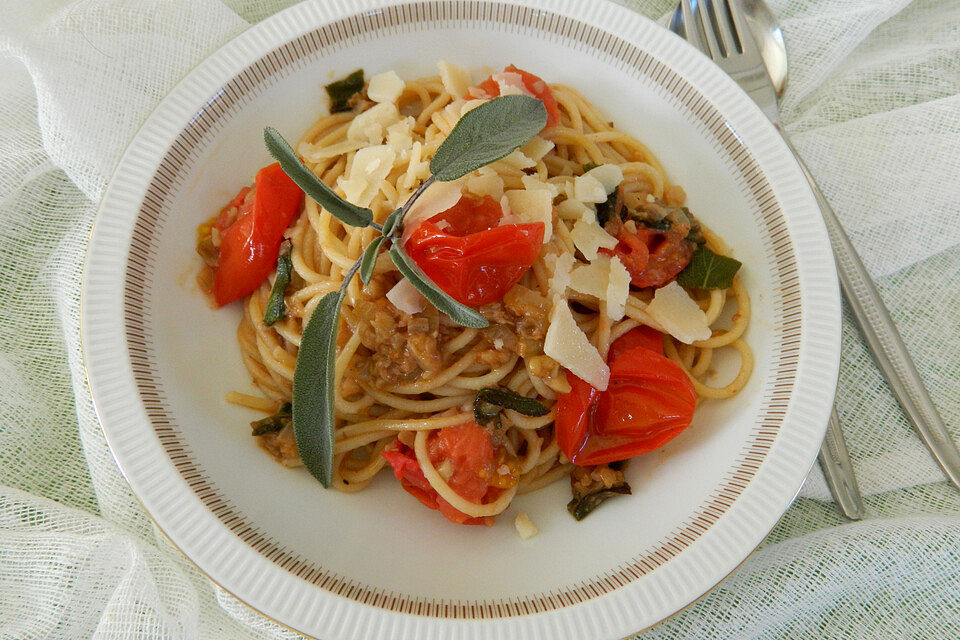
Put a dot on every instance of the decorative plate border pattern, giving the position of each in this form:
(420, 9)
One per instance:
(180, 157)
(144, 438)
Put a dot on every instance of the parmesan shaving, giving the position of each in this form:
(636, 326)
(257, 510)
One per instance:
(455, 80)
(589, 237)
(385, 87)
(485, 182)
(371, 125)
(591, 279)
(369, 169)
(573, 209)
(618, 289)
(608, 175)
(561, 267)
(678, 314)
(537, 148)
(533, 206)
(533, 182)
(586, 188)
(525, 527)
(437, 198)
(569, 346)
(405, 297)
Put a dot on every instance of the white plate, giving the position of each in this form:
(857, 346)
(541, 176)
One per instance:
(376, 564)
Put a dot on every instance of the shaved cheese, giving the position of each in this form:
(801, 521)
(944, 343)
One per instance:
(609, 175)
(560, 267)
(534, 182)
(404, 296)
(533, 206)
(385, 87)
(519, 161)
(618, 289)
(569, 346)
(371, 125)
(678, 314)
(586, 188)
(370, 167)
(573, 209)
(589, 237)
(485, 182)
(511, 83)
(400, 135)
(525, 527)
(537, 148)
(455, 80)
(437, 198)
(591, 279)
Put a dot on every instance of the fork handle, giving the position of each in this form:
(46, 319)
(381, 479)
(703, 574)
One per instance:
(838, 470)
(883, 339)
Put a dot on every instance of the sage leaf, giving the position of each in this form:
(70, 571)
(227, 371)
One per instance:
(276, 306)
(459, 313)
(313, 420)
(312, 185)
(391, 222)
(342, 90)
(490, 400)
(708, 270)
(369, 259)
(488, 133)
(581, 507)
(273, 423)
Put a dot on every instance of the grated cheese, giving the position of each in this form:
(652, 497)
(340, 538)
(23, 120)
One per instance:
(678, 314)
(511, 84)
(385, 87)
(532, 206)
(589, 237)
(525, 527)
(455, 80)
(569, 346)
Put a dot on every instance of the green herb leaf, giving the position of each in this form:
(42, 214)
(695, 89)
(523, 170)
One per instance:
(273, 423)
(369, 259)
(707, 270)
(313, 402)
(312, 185)
(276, 306)
(490, 400)
(459, 313)
(488, 133)
(611, 207)
(590, 166)
(391, 222)
(580, 508)
(342, 90)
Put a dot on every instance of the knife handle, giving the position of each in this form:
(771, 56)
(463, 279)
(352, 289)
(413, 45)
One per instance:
(883, 340)
(838, 470)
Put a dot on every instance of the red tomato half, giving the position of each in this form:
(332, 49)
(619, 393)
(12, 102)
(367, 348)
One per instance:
(534, 85)
(468, 256)
(250, 243)
(470, 452)
(652, 257)
(648, 402)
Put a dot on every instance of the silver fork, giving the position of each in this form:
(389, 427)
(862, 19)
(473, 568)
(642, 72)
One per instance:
(719, 29)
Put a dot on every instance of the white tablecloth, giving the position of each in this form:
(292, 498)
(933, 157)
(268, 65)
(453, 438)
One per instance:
(874, 107)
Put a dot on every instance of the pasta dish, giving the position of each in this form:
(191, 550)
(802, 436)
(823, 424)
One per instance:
(605, 299)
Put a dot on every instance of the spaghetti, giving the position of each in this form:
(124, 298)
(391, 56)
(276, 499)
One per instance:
(403, 379)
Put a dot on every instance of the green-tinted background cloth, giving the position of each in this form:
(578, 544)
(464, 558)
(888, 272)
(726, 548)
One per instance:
(874, 107)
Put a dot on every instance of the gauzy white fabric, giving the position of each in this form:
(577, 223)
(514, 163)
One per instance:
(874, 107)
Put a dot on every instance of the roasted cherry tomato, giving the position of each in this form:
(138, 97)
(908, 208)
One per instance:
(643, 336)
(251, 229)
(648, 402)
(534, 85)
(470, 454)
(653, 257)
(468, 256)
